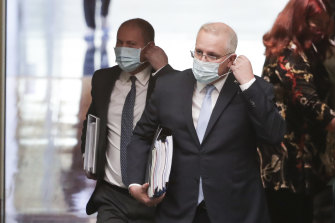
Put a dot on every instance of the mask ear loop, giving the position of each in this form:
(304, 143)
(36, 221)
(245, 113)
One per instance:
(142, 50)
(229, 71)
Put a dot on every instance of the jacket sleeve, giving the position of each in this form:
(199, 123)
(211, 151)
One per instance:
(90, 111)
(267, 122)
(139, 147)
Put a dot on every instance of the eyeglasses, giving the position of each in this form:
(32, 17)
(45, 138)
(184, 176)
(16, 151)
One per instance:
(199, 54)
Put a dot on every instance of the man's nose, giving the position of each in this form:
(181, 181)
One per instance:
(204, 57)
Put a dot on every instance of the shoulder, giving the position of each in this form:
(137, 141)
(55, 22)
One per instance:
(175, 76)
(105, 73)
(265, 85)
(291, 60)
(288, 62)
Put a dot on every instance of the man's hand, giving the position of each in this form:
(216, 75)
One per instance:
(242, 69)
(155, 56)
(140, 194)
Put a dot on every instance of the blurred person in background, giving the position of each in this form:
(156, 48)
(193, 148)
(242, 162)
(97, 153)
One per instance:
(89, 12)
(296, 173)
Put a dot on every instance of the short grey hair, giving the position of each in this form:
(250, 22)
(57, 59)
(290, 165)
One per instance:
(219, 28)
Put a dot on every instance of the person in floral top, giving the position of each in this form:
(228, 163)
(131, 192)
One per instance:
(296, 46)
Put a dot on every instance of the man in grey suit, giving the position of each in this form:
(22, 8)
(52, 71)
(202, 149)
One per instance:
(119, 95)
(217, 118)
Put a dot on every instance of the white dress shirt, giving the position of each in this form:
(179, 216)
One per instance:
(199, 95)
(117, 99)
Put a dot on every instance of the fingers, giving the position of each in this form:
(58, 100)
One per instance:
(242, 69)
(140, 194)
(153, 202)
(155, 56)
(240, 60)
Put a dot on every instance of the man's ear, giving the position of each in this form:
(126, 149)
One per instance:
(231, 59)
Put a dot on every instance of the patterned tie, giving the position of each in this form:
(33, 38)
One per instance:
(127, 128)
(205, 114)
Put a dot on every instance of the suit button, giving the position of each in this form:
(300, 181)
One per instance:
(252, 103)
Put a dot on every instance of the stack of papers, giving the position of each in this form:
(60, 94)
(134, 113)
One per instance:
(159, 166)
(92, 138)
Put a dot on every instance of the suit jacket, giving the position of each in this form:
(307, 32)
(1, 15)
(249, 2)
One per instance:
(103, 82)
(226, 159)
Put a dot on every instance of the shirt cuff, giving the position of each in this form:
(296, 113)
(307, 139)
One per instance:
(153, 74)
(247, 85)
(130, 185)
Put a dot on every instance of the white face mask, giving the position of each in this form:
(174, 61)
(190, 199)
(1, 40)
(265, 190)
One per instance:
(128, 58)
(207, 72)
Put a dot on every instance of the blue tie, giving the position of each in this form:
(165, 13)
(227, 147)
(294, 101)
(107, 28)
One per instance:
(204, 116)
(127, 128)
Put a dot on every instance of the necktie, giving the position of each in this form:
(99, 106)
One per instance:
(127, 128)
(205, 114)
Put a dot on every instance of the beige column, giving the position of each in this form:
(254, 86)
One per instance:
(2, 107)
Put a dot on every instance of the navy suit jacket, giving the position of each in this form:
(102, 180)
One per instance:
(226, 159)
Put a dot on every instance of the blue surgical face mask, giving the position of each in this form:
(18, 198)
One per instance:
(207, 72)
(128, 58)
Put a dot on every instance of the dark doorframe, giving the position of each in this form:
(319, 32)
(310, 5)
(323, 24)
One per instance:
(2, 107)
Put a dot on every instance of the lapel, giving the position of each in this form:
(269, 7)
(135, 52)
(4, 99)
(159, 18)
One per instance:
(188, 88)
(111, 77)
(151, 85)
(228, 90)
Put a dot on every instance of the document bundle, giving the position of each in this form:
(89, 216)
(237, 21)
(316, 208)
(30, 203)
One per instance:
(159, 163)
(92, 138)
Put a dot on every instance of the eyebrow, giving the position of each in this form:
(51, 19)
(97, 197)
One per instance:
(208, 53)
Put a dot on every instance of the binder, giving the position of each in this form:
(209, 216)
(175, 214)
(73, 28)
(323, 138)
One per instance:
(92, 139)
(159, 162)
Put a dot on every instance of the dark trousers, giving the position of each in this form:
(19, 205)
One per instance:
(323, 205)
(287, 207)
(115, 205)
(201, 215)
(89, 11)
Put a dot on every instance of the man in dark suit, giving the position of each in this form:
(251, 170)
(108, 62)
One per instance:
(217, 118)
(119, 95)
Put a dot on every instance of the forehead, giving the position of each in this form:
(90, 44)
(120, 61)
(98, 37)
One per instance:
(211, 42)
(130, 33)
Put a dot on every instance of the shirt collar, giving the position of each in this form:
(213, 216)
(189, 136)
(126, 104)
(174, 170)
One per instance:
(218, 84)
(142, 76)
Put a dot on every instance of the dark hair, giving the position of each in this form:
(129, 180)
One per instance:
(147, 29)
(292, 25)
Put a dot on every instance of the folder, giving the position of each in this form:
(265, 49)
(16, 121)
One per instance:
(92, 139)
(159, 162)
